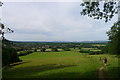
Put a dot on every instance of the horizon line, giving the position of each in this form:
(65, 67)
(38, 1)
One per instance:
(55, 40)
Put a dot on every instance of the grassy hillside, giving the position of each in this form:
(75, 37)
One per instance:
(65, 64)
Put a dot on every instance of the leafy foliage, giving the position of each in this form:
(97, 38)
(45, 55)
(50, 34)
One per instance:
(23, 53)
(114, 37)
(9, 54)
(4, 30)
(43, 50)
(94, 9)
(54, 49)
(66, 49)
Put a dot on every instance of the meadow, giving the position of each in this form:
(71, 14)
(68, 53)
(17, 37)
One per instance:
(63, 64)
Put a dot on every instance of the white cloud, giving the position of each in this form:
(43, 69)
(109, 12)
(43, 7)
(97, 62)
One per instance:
(42, 0)
(51, 21)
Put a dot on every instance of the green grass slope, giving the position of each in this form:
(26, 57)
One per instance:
(66, 64)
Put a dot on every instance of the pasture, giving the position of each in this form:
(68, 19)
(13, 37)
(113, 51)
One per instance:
(64, 64)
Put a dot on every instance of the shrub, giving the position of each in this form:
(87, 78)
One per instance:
(23, 53)
(43, 50)
(95, 52)
(54, 49)
(66, 49)
(84, 51)
(35, 50)
(9, 55)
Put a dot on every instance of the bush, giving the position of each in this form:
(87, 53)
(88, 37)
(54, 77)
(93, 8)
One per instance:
(95, 52)
(9, 55)
(23, 53)
(66, 49)
(54, 49)
(35, 50)
(20, 49)
(43, 50)
(91, 53)
(84, 51)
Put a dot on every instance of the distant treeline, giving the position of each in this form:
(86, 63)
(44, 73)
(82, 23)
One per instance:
(25, 48)
(26, 45)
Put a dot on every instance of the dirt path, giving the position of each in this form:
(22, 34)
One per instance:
(100, 73)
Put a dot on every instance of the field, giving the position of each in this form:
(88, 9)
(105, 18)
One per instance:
(64, 64)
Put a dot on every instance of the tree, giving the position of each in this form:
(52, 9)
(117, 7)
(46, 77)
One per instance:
(9, 54)
(43, 50)
(114, 37)
(94, 10)
(54, 49)
(35, 50)
(4, 30)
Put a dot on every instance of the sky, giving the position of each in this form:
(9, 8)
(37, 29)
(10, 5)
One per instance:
(51, 21)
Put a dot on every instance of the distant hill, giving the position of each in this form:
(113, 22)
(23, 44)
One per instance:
(62, 41)
(94, 41)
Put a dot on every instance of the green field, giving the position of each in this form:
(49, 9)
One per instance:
(64, 64)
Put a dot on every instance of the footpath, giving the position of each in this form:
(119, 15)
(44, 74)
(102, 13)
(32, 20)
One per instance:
(100, 72)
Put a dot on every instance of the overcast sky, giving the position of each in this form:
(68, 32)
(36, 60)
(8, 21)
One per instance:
(51, 21)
